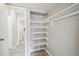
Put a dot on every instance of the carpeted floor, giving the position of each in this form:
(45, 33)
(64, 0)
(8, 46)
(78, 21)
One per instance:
(40, 53)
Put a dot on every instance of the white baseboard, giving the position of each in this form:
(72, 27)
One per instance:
(48, 52)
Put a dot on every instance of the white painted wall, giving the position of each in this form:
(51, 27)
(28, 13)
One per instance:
(4, 30)
(10, 18)
(13, 28)
(63, 37)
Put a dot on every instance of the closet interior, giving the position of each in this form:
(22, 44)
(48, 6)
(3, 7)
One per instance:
(43, 31)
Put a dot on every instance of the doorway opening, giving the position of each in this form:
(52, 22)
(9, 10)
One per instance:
(17, 32)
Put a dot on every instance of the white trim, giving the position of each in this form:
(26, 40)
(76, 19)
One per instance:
(26, 53)
(48, 52)
(27, 33)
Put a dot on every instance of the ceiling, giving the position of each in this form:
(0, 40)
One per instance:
(41, 6)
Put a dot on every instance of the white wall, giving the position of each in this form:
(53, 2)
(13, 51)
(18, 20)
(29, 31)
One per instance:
(63, 37)
(10, 18)
(13, 28)
(4, 30)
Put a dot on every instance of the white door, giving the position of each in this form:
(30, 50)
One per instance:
(3, 30)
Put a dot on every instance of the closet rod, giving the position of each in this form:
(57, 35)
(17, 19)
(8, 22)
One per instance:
(67, 15)
(60, 12)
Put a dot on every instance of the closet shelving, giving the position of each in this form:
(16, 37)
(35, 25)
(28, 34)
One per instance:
(37, 29)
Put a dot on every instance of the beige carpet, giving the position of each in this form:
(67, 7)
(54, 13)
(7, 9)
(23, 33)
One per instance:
(40, 53)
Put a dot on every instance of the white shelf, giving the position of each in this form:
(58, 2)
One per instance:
(37, 22)
(39, 44)
(39, 27)
(37, 49)
(40, 38)
(39, 33)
